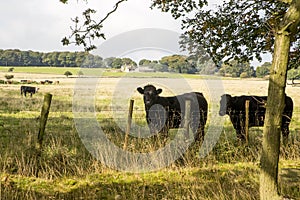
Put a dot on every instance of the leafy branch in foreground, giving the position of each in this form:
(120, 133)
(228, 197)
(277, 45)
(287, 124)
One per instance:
(236, 30)
(86, 30)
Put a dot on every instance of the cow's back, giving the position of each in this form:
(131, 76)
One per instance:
(257, 108)
(178, 102)
(176, 107)
(255, 103)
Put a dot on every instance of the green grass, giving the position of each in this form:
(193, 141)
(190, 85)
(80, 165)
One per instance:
(68, 171)
(240, 181)
(189, 183)
(43, 70)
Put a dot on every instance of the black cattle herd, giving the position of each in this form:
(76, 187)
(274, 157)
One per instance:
(163, 113)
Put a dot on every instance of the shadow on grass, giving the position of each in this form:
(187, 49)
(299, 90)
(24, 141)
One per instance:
(233, 183)
(187, 184)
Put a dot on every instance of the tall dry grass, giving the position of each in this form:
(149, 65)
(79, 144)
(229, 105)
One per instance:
(229, 171)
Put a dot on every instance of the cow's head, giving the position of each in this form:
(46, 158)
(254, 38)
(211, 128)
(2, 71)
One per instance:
(150, 94)
(225, 104)
(37, 89)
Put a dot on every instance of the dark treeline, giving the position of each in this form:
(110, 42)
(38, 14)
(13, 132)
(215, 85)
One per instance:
(15, 57)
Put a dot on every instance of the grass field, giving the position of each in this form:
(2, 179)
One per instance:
(90, 71)
(67, 170)
(42, 70)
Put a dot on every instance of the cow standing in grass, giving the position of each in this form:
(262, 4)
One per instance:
(163, 113)
(234, 106)
(28, 89)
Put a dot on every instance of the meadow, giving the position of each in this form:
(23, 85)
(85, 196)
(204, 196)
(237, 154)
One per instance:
(59, 72)
(68, 170)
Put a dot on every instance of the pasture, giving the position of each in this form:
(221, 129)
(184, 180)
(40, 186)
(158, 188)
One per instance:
(67, 170)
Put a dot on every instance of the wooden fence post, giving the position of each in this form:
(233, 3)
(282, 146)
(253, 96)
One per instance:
(43, 121)
(187, 119)
(129, 119)
(44, 117)
(247, 121)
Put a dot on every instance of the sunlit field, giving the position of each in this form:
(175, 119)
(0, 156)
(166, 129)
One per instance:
(67, 170)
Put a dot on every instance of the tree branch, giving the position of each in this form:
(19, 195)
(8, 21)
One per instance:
(115, 8)
(89, 30)
(286, 1)
(291, 19)
(107, 15)
(282, 30)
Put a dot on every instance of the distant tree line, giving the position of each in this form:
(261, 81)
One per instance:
(180, 64)
(173, 63)
(117, 63)
(192, 65)
(264, 70)
(15, 57)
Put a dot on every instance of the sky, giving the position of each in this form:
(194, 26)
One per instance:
(40, 25)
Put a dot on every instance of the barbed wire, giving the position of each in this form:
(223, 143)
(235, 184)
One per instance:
(136, 112)
(98, 111)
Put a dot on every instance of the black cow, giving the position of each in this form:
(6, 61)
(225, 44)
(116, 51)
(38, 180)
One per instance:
(235, 108)
(28, 89)
(163, 113)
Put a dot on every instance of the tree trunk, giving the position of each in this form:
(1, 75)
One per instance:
(275, 104)
(272, 130)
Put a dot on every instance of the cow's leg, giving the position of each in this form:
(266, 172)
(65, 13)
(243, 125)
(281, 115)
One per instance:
(25, 93)
(164, 133)
(240, 131)
(199, 134)
(197, 125)
(241, 125)
(199, 131)
(30, 94)
(151, 128)
(163, 121)
(241, 135)
(285, 133)
(158, 135)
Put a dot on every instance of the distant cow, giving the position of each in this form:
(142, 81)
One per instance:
(163, 113)
(235, 108)
(48, 81)
(28, 89)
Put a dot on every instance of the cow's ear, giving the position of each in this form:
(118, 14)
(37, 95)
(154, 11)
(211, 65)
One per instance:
(140, 90)
(158, 91)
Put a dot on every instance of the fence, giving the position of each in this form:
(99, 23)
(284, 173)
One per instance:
(20, 119)
(29, 108)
